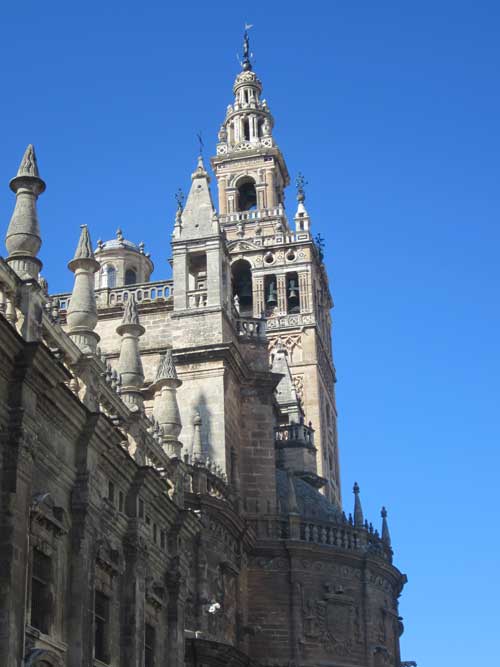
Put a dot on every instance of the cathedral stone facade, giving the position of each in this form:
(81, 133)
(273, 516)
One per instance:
(169, 470)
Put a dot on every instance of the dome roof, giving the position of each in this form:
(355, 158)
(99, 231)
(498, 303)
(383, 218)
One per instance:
(312, 504)
(119, 242)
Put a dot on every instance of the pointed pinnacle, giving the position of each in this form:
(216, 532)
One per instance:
(29, 166)
(84, 248)
(166, 367)
(386, 536)
(358, 511)
(131, 315)
(200, 171)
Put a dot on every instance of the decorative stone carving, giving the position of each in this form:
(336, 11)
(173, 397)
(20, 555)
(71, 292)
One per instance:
(331, 620)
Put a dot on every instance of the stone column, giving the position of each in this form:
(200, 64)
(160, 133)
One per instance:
(222, 196)
(180, 278)
(23, 239)
(132, 601)
(271, 200)
(281, 289)
(304, 292)
(258, 296)
(214, 275)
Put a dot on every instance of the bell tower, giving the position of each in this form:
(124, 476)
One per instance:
(250, 169)
(276, 271)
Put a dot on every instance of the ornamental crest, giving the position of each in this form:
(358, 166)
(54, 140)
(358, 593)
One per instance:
(331, 620)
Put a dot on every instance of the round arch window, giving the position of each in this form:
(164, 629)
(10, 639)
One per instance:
(130, 277)
(247, 195)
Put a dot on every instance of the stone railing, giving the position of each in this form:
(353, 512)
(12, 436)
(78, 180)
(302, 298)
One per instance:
(290, 433)
(251, 216)
(197, 298)
(107, 297)
(250, 327)
(340, 534)
(206, 477)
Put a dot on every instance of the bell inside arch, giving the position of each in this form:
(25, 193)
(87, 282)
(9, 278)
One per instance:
(271, 295)
(293, 295)
(293, 290)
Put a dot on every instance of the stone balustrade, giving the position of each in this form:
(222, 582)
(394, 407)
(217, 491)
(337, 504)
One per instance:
(197, 299)
(250, 327)
(108, 297)
(252, 216)
(289, 433)
(341, 535)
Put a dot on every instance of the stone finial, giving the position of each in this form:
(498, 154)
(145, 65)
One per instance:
(165, 406)
(200, 171)
(82, 310)
(246, 63)
(300, 183)
(84, 247)
(23, 240)
(386, 536)
(196, 447)
(130, 314)
(358, 511)
(129, 363)
(166, 368)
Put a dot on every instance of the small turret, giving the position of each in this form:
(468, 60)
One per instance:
(302, 220)
(165, 407)
(23, 239)
(129, 363)
(386, 536)
(196, 447)
(82, 310)
(358, 511)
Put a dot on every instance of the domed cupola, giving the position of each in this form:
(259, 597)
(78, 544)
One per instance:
(122, 263)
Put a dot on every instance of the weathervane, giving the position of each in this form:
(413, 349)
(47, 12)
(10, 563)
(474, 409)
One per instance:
(200, 141)
(320, 244)
(179, 198)
(300, 183)
(246, 62)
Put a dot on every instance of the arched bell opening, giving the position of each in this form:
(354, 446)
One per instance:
(292, 293)
(241, 272)
(270, 294)
(247, 195)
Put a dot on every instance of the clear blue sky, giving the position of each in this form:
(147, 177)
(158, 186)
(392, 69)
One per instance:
(392, 111)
